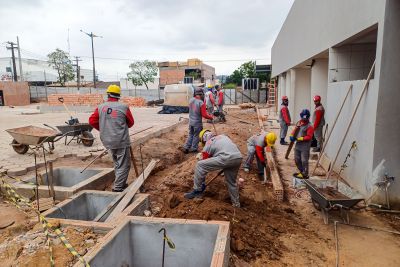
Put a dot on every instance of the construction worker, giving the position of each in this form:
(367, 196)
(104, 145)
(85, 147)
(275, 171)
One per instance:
(255, 147)
(113, 119)
(210, 101)
(302, 135)
(284, 119)
(220, 99)
(219, 153)
(318, 120)
(197, 111)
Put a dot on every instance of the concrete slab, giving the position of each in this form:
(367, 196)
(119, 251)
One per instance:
(68, 181)
(137, 242)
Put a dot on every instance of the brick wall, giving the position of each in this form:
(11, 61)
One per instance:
(90, 100)
(171, 76)
(15, 93)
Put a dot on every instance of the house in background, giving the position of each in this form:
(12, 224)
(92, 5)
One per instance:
(324, 47)
(190, 71)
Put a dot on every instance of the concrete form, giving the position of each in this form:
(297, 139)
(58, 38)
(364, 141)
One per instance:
(84, 207)
(137, 242)
(14, 94)
(68, 181)
(336, 44)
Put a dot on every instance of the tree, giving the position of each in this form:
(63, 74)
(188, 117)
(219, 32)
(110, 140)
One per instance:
(60, 61)
(142, 72)
(247, 70)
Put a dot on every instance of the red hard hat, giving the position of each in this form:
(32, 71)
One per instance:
(317, 98)
(285, 98)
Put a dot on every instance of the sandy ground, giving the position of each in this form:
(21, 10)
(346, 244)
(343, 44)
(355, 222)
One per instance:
(264, 232)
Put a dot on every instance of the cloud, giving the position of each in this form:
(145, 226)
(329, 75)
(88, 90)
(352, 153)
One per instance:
(140, 29)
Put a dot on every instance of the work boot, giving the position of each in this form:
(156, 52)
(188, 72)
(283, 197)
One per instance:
(185, 150)
(236, 205)
(283, 142)
(193, 150)
(194, 194)
(316, 149)
(300, 175)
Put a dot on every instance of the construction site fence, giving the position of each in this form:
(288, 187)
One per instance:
(40, 93)
(239, 96)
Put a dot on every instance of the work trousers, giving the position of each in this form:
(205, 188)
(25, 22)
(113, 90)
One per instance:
(192, 141)
(231, 169)
(301, 158)
(251, 152)
(122, 164)
(210, 110)
(284, 129)
(318, 135)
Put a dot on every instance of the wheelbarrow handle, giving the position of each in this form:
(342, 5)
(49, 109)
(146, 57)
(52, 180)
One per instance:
(61, 99)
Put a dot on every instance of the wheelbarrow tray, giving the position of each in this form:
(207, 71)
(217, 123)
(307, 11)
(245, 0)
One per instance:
(32, 135)
(75, 129)
(325, 194)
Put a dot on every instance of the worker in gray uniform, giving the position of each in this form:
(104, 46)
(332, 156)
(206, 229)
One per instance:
(219, 153)
(302, 135)
(113, 119)
(197, 111)
(255, 147)
(284, 119)
(318, 120)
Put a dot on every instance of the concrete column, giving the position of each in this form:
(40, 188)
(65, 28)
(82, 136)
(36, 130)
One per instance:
(281, 87)
(319, 79)
(301, 91)
(290, 80)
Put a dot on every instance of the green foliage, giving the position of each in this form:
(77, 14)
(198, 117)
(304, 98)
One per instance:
(247, 70)
(60, 61)
(142, 72)
(193, 74)
(230, 86)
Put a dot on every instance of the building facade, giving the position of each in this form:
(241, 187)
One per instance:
(174, 72)
(323, 48)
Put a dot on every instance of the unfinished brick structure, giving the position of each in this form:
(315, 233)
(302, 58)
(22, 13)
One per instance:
(91, 100)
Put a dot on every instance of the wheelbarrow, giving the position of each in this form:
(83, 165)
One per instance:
(27, 136)
(328, 195)
(81, 132)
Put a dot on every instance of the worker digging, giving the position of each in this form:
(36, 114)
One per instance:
(197, 111)
(302, 135)
(318, 120)
(113, 119)
(219, 153)
(284, 119)
(255, 147)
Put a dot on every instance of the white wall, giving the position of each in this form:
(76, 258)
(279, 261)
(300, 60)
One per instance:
(313, 26)
(319, 80)
(359, 170)
(302, 90)
(387, 140)
(128, 85)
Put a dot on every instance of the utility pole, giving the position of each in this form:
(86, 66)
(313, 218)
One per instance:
(21, 77)
(13, 59)
(92, 35)
(78, 72)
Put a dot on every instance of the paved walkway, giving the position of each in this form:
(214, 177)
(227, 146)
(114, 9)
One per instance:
(17, 117)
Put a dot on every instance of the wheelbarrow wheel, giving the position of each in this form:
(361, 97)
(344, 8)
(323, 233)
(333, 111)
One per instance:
(19, 148)
(87, 138)
(316, 205)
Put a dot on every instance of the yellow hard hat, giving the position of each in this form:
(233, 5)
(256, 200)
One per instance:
(201, 134)
(209, 86)
(113, 89)
(270, 139)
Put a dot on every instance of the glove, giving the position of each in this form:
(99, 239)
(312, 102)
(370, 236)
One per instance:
(300, 139)
(292, 138)
(199, 156)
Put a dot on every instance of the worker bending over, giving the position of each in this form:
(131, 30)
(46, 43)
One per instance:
(197, 111)
(255, 147)
(113, 119)
(219, 153)
(318, 120)
(303, 140)
(284, 119)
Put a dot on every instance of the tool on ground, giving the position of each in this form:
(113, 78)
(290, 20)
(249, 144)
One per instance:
(215, 129)
(51, 180)
(296, 132)
(72, 120)
(331, 131)
(171, 244)
(105, 151)
(215, 177)
(133, 161)
(352, 118)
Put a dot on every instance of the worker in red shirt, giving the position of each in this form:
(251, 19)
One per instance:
(318, 120)
(303, 144)
(220, 101)
(284, 119)
(112, 119)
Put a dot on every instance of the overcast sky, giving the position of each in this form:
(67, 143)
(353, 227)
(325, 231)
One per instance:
(222, 33)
